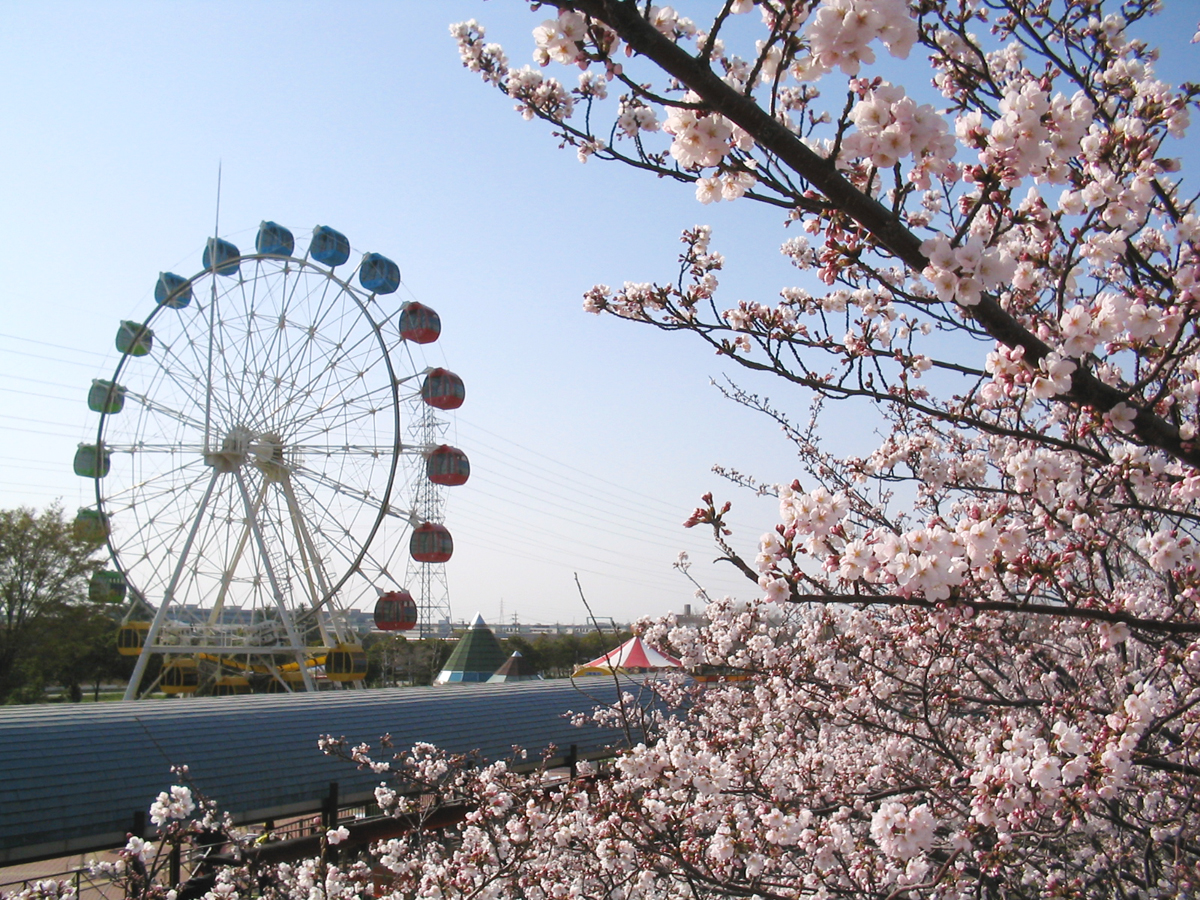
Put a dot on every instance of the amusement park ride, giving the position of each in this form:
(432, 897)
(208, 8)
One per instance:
(253, 476)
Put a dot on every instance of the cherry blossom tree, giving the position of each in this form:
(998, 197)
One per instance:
(975, 664)
(973, 669)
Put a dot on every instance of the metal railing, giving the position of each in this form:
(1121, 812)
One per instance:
(86, 885)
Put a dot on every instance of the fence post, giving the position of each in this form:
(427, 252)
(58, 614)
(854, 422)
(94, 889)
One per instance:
(329, 814)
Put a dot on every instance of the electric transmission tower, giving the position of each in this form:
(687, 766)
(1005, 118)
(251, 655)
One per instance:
(426, 581)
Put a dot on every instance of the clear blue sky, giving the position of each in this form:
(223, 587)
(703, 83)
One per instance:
(591, 439)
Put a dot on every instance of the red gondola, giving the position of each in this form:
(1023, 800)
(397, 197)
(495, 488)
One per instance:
(431, 543)
(442, 389)
(419, 324)
(396, 611)
(448, 465)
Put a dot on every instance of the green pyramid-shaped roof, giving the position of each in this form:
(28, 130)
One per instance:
(476, 655)
(516, 668)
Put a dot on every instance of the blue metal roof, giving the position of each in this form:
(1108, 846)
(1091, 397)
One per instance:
(73, 777)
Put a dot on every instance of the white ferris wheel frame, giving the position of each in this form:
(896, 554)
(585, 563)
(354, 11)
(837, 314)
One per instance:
(257, 465)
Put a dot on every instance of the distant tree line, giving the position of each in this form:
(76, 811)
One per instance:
(395, 659)
(557, 655)
(55, 641)
(51, 634)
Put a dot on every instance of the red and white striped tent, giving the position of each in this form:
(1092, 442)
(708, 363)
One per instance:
(632, 656)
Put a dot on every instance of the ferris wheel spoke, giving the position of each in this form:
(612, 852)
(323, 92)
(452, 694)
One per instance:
(183, 379)
(325, 306)
(159, 543)
(239, 312)
(299, 355)
(184, 373)
(340, 353)
(360, 407)
(222, 354)
(307, 316)
(173, 503)
(178, 480)
(264, 333)
(293, 375)
(177, 415)
(293, 277)
(274, 346)
(359, 496)
(228, 361)
(335, 524)
(360, 426)
(329, 529)
(143, 447)
(327, 381)
(375, 451)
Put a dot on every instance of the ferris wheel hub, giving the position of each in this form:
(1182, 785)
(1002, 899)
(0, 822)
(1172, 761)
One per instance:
(267, 451)
(241, 445)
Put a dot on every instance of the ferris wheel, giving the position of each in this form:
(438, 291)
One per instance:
(251, 470)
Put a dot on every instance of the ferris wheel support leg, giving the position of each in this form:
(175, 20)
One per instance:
(312, 563)
(285, 615)
(227, 576)
(159, 617)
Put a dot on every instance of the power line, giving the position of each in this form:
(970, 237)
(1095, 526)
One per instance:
(670, 513)
(41, 396)
(17, 337)
(28, 380)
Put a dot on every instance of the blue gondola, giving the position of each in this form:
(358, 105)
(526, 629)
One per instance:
(378, 274)
(328, 246)
(172, 290)
(274, 240)
(222, 257)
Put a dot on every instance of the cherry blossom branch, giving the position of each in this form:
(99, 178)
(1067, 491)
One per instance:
(931, 883)
(1086, 389)
(1098, 615)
